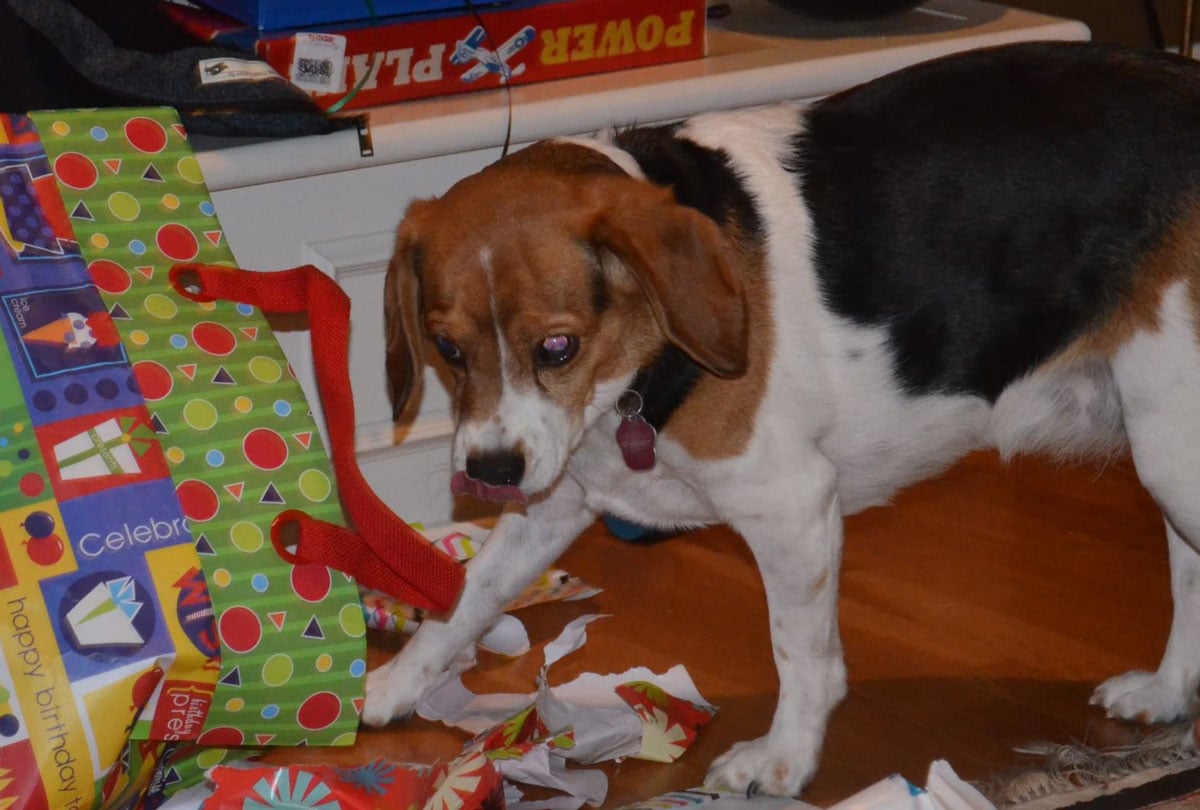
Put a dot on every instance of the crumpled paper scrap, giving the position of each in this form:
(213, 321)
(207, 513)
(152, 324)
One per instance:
(669, 723)
(507, 636)
(717, 800)
(468, 783)
(516, 801)
(594, 718)
(944, 790)
(541, 767)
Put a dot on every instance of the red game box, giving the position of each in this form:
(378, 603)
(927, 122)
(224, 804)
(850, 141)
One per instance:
(419, 56)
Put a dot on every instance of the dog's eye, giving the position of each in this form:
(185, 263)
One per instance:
(449, 351)
(556, 350)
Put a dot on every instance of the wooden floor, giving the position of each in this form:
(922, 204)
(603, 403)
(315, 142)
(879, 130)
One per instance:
(977, 612)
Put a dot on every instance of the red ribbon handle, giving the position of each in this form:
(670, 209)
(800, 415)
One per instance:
(382, 552)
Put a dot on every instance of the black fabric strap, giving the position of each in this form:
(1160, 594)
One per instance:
(108, 73)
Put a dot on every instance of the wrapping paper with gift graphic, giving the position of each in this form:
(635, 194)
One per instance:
(146, 443)
(467, 783)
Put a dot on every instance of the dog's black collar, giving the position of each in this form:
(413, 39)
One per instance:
(665, 384)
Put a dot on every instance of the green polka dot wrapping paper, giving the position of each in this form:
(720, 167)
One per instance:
(146, 444)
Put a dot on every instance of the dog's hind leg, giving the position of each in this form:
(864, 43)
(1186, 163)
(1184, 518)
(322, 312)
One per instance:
(1169, 693)
(1158, 374)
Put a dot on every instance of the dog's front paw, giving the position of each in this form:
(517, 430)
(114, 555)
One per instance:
(1145, 697)
(389, 695)
(760, 767)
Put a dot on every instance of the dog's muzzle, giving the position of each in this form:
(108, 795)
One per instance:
(491, 477)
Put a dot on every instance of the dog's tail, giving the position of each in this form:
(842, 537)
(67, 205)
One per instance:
(1061, 412)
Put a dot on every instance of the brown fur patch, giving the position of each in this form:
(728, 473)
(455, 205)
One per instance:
(563, 157)
(717, 419)
(1175, 259)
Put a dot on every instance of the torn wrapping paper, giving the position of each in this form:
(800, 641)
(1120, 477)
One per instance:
(508, 635)
(944, 790)
(716, 800)
(666, 710)
(541, 767)
(594, 718)
(554, 585)
(455, 705)
(463, 541)
(468, 783)
(513, 796)
(669, 723)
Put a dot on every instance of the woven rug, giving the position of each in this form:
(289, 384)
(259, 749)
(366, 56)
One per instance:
(1161, 771)
(1178, 791)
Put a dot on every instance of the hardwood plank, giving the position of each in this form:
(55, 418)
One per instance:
(977, 613)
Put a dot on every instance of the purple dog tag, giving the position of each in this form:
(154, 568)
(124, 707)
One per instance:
(635, 436)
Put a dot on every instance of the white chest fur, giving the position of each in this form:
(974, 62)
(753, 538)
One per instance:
(662, 497)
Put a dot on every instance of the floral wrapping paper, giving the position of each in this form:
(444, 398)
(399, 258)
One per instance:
(468, 783)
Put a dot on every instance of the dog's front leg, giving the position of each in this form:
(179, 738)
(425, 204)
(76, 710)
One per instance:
(518, 550)
(794, 529)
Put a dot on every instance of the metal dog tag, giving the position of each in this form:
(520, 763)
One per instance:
(635, 436)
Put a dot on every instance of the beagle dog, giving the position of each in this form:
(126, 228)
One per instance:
(774, 317)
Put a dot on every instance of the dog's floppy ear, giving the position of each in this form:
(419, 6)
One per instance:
(401, 312)
(686, 267)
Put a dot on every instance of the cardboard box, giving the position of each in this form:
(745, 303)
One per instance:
(412, 57)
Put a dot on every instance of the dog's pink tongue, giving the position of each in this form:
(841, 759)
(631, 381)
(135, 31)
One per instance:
(463, 484)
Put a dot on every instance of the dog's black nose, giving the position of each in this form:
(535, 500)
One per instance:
(498, 469)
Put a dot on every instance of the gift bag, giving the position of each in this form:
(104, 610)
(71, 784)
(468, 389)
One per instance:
(147, 442)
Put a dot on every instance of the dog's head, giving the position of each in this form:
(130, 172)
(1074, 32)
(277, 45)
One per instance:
(545, 282)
